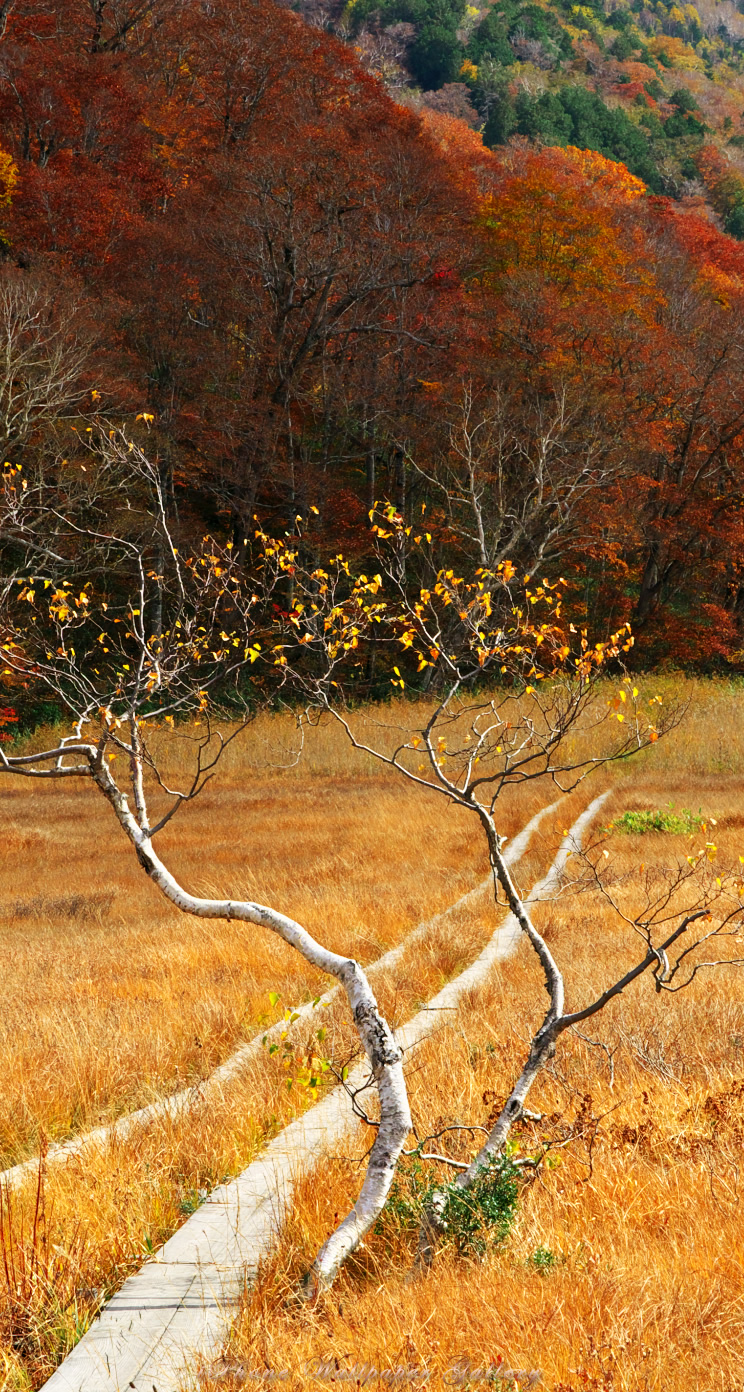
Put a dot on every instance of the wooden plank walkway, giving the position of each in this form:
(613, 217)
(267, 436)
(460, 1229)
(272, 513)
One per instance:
(179, 1307)
(196, 1097)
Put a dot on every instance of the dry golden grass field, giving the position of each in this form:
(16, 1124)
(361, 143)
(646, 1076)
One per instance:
(110, 998)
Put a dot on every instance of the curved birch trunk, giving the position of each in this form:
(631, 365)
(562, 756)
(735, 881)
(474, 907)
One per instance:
(384, 1055)
(541, 1050)
(542, 1047)
(433, 1224)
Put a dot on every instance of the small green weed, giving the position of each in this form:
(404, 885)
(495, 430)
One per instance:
(309, 1066)
(409, 1194)
(192, 1200)
(543, 1259)
(682, 823)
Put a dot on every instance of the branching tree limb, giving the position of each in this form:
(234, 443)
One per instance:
(92, 646)
(516, 695)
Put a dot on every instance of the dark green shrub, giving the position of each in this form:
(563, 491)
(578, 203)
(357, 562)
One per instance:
(473, 1218)
(683, 100)
(734, 223)
(491, 40)
(437, 56)
(575, 116)
(485, 1211)
(623, 47)
(543, 1259)
(502, 120)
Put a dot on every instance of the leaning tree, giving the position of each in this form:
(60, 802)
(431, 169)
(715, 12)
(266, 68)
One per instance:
(515, 694)
(130, 633)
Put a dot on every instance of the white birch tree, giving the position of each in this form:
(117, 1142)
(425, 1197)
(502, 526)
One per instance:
(519, 695)
(519, 476)
(45, 347)
(515, 698)
(90, 643)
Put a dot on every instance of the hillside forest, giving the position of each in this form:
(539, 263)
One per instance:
(483, 264)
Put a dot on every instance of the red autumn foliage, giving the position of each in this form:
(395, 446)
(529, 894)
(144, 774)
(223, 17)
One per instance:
(301, 282)
(7, 717)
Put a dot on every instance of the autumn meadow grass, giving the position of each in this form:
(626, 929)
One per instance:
(111, 998)
(625, 1267)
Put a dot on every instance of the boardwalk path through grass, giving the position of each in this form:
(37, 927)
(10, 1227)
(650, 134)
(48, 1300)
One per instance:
(178, 1308)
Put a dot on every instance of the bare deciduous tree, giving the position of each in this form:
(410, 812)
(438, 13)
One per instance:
(515, 702)
(43, 351)
(92, 645)
(517, 477)
(515, 697)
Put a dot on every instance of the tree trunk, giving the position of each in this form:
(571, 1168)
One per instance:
(384, 1055)
(543, 1043)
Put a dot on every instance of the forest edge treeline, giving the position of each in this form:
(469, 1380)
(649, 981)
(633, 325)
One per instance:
(218, 229)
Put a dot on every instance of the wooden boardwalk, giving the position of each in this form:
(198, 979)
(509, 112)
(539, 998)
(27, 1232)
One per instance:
(177, 1310)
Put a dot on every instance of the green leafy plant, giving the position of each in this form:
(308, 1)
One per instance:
(543, 1259)
(411, 1189)
(192, 1200)
(485, 1211)
(682, 823)
(472, 1218)
(306, 1065)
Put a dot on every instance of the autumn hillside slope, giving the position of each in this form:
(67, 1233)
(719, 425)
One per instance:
(658, 86)
(299, 295)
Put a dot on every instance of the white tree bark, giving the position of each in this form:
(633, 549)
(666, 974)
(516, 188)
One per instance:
(543, 1043)
(384, 1055)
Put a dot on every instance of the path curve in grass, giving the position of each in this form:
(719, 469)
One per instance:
(169, 1108)
(178, 1308)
